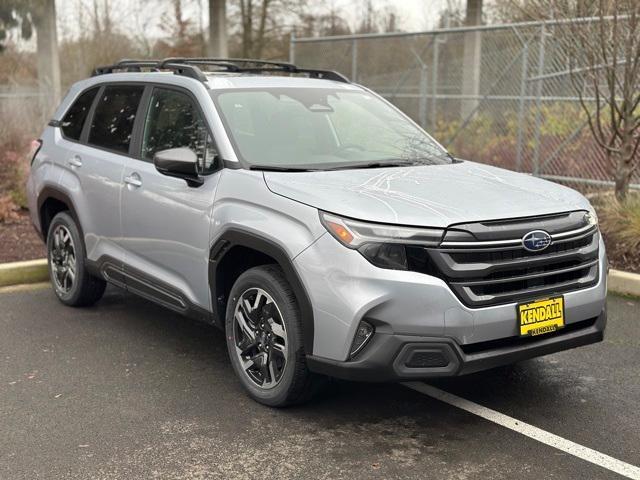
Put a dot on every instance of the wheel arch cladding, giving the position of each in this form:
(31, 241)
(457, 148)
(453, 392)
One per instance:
(52, 201)
(234, 252)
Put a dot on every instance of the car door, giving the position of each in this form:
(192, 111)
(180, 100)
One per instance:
(95, 166)
(166, 222)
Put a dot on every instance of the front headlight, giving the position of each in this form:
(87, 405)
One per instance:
(591, 218)
(381, 244)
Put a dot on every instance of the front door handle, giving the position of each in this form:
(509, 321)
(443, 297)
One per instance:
(75, 161)
(133, 180)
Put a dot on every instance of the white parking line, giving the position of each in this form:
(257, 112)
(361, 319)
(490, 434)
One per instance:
(593, 456)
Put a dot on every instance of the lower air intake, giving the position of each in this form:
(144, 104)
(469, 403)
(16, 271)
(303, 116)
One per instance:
(423, 359)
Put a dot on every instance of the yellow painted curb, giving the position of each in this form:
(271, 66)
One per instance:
(625, 283)
(25, 287)
(31, 271)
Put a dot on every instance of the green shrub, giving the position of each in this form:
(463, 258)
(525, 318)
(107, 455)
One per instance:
(621, 220)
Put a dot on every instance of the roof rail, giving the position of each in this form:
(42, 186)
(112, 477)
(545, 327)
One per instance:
(130, 65)
(190, 67)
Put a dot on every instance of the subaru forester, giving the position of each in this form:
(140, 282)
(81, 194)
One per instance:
(322, 229)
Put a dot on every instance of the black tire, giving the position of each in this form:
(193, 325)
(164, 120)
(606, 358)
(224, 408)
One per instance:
(296, 384)
(84, 289)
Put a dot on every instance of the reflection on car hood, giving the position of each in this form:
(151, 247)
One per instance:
(436, 195)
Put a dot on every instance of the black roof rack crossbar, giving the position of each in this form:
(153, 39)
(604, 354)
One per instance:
(324, 74)
(282, 65)
(228, 66)
(189, 67)
(129, 65)
(265, 66)
(154, 65)
(185, 70)
(133, 61)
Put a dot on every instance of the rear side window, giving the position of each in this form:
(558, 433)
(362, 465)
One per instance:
(173, 121)
(73, 121)
(112, 122)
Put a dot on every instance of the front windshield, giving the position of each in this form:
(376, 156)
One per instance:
(313, 128)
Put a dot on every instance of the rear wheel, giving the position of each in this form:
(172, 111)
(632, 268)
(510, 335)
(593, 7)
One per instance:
(73, 285)
(264, 338)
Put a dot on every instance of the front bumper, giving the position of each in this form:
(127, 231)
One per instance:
(392, 357)
(344, 288)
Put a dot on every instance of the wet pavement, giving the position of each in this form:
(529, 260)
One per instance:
(127, 389)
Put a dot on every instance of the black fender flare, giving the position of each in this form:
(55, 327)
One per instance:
(238, 237)
(50, 192)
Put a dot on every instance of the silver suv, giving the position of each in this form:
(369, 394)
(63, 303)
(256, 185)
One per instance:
(316, 224)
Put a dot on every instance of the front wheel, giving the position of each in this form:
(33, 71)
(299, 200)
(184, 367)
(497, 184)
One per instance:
(264, 338)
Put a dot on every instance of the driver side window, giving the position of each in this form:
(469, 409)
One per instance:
(173, 121)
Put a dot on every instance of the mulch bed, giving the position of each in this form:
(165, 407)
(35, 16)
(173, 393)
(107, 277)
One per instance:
(19, 240)
(622, 256)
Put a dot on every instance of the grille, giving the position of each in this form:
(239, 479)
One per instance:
(485, 263)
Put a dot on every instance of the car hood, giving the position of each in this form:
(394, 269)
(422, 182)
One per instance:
(434, 195)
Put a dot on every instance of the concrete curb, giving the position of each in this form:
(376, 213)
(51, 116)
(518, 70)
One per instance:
(31, 271)
(625, 283)
(36, 271)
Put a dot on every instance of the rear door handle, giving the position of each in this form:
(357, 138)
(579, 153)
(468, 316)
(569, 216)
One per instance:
(133, 180)
(75, 161)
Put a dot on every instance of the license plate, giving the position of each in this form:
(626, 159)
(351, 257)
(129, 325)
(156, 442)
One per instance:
(542, 316)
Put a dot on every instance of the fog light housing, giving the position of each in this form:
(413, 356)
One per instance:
(364, 332)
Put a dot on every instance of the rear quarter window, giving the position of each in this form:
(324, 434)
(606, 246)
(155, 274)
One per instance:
(112, 123)
(75, 117)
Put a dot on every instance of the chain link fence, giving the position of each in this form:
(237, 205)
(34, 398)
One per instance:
(497, 94)
(22, 109)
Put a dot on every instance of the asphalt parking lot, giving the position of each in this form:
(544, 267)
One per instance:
(129, 390)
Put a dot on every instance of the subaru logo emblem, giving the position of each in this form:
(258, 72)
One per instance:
(536, 241)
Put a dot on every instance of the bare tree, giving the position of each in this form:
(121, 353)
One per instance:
(611, 70)
(375, 19)
(264, 25)
(183, 36)
(324, 24)
(254, 15)
(602, 39)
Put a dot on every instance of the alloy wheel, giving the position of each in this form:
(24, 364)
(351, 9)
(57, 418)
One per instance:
(260, 338)
(63, 259)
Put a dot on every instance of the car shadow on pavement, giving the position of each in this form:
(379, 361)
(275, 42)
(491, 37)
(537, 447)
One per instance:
(181, 338)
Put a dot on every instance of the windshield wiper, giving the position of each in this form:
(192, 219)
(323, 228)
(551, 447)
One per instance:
(377, 164)
(279, 168)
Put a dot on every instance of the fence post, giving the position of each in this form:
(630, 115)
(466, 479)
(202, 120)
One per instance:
(434, 83)
(354, 60)
(292, 47)
(422, 104)
(521, 105)
(472, 59)
(541, 54)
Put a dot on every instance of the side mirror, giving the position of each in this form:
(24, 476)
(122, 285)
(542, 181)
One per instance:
(180, 163)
